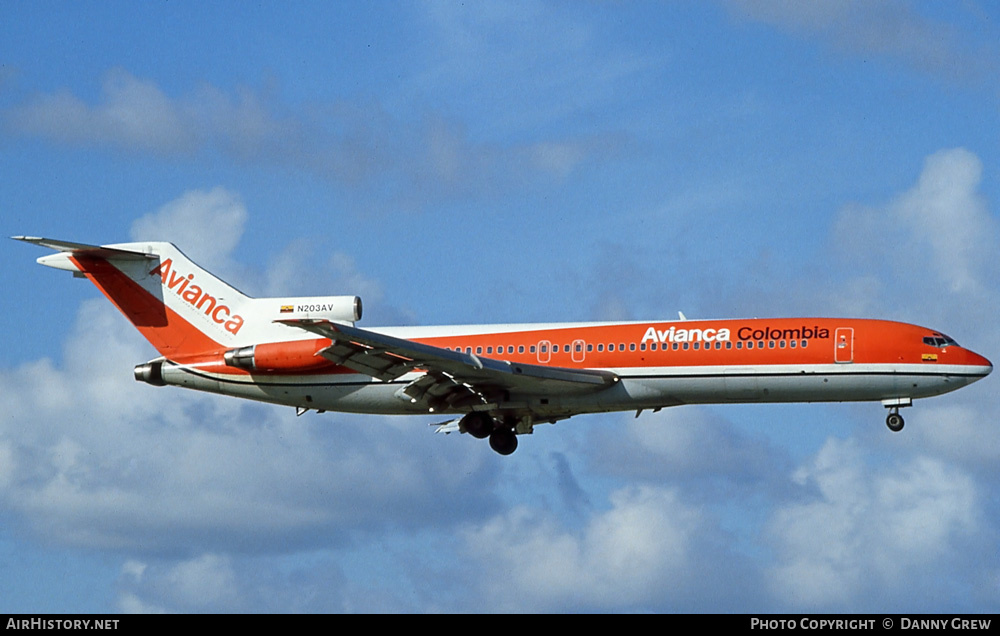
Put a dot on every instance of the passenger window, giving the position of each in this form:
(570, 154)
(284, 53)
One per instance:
(520, 349)
(479, 350)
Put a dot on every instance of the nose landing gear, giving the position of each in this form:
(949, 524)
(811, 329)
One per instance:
(894, 420)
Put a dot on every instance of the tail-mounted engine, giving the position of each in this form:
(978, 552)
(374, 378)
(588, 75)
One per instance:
(297, 355)
(150, 373)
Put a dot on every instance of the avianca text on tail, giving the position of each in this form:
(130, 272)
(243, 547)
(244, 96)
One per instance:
(498, 381)
(195, 296)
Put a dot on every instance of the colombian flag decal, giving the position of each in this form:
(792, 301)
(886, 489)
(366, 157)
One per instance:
(287, 309)
(929, 357)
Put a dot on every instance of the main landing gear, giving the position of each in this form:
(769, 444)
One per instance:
(503, 439)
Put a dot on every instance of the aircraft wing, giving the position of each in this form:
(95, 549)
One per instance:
(451, 378)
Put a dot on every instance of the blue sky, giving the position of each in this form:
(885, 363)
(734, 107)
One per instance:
(503, 162)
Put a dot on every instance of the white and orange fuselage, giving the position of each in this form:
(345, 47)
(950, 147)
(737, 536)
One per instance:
(685, 362)
(307, 353)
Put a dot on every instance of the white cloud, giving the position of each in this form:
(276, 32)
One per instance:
(945, 213)
(686, 444)
(890, 28)
(865, 533)
(405, 161)
(646, 546)
(208, 582)
(933, 241)
(205, 225)
(965, 432)
(134, 115)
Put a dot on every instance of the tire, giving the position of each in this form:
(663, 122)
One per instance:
(479, 425)
(895, 422)
(503, 442)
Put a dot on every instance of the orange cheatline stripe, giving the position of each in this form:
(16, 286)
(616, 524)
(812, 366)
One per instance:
(164, 328)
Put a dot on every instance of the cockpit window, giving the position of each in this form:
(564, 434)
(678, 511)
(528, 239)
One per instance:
(939, 340)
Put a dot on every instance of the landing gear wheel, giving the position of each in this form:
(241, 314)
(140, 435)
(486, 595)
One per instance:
(479, 425)
(503, 441)
(895, 422)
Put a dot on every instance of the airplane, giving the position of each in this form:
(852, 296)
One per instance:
(497, 381)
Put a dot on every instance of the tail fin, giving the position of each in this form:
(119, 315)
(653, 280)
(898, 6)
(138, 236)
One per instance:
(179, 307)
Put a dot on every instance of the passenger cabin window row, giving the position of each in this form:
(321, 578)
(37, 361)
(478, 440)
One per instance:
(578, 347)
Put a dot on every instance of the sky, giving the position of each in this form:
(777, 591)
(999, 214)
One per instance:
(457, 163)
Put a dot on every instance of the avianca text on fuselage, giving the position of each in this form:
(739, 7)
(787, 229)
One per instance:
(724, 334)
(686, 335)
(198, 298)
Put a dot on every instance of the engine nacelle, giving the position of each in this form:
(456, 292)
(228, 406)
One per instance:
(296, 355)
(339, 308)
(150, 373)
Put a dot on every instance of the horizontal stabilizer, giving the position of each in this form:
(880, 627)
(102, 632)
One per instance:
(84, 249)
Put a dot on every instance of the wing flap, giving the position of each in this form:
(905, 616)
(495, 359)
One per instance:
(377, 363)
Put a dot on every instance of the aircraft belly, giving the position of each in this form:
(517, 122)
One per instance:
(359, 395)
(655, 388)
(820, 383)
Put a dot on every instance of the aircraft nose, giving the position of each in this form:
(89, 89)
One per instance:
(981, 365)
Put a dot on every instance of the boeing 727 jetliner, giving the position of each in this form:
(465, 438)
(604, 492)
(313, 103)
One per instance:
(497, 381)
